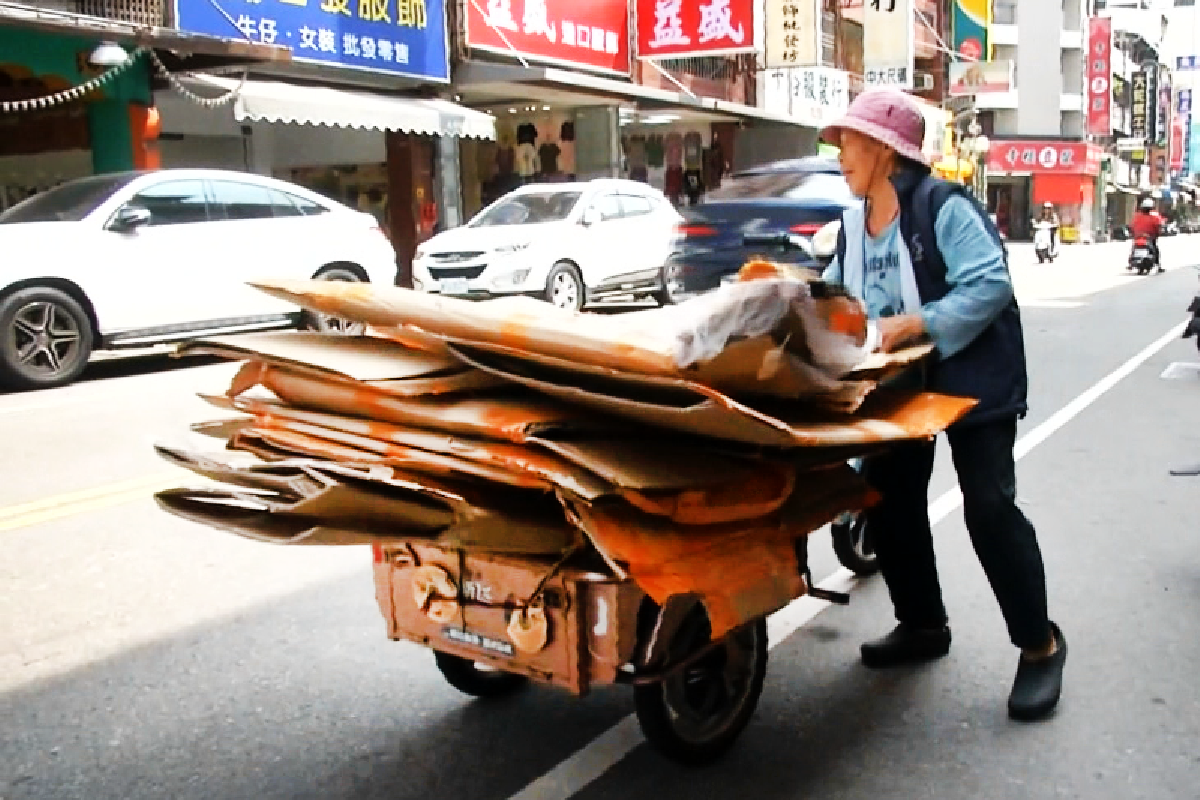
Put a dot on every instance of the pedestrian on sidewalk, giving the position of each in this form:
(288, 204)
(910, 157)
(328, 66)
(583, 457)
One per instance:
(927, 262)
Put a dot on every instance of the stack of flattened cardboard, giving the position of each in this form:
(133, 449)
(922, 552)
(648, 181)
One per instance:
(689, 447)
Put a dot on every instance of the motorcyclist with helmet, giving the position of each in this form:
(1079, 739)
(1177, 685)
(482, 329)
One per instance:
(1148, 225)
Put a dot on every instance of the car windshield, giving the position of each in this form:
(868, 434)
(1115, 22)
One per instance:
(68, 202)
(807, 187)
(529, 208)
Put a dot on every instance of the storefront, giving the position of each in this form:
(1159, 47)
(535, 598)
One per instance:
(1025, 174)
(352, 118)
(75, 95)
(559, 87)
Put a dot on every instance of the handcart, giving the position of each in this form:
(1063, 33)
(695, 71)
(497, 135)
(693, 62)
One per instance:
(551, 499)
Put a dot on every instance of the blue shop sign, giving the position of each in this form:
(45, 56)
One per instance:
(400, 37)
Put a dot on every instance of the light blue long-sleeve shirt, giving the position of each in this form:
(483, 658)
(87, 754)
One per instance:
(980, 285)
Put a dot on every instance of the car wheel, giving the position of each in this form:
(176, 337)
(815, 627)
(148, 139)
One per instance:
(45, 339)
(564, 287)
(324, 323)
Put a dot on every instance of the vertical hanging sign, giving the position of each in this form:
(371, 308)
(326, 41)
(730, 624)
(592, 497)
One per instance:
(889, 44)
(1099, 76)
(1150, 70)
(790, 33)
(971, 29)
(1139, 110)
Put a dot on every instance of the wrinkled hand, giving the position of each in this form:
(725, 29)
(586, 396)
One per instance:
(895, 332)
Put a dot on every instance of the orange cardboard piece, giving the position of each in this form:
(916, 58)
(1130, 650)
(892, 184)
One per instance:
(378, 363)
(310, 503)
(741, 570)
(510, 415)
(696, 409)
(732, 501)
(382, 437)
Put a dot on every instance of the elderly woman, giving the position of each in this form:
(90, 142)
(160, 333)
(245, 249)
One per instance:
(928, 262)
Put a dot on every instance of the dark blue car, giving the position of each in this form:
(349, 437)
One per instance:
(770, 211)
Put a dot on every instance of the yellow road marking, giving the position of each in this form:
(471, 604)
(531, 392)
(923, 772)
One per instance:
(72, 503)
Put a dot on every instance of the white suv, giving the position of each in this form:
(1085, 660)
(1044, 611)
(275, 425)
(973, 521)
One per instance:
(140, 258)
(567, 243)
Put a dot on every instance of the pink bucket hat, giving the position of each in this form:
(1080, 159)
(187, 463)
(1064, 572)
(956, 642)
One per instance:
(886, 115)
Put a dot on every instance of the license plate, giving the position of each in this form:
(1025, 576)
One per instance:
(454, 286)
(478, 640)
(1141, 253)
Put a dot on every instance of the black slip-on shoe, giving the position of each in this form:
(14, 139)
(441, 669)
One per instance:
(906, 645)
(1038, 684)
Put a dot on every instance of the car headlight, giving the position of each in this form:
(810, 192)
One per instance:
(513, 248)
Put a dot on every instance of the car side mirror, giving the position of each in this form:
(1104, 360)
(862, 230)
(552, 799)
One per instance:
(130, 218)
(589, 218)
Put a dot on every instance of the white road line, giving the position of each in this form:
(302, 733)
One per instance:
(606, 750)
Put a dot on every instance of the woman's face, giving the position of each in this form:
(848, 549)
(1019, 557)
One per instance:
(860, 157)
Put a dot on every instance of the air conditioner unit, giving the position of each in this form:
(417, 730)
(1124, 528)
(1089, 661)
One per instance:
(922, 82)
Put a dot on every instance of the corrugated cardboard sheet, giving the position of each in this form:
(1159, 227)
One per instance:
(513, 427)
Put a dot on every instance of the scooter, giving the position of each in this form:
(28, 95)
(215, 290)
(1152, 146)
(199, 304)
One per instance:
(1043, 241)
(1141, 258)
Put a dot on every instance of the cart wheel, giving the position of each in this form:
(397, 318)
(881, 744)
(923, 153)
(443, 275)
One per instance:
(852, 546)
(475, 679)
(696, 714)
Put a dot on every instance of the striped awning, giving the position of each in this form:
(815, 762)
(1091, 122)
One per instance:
(275, 101)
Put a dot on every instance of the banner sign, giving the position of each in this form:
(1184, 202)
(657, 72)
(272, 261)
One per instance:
(970, 24)
(593, 34)
(1139, 123)
(1045, 158)
(1150, 70)
(814, 96)
(889, 47)
(1099, 77)
(676, 28)
(790, 28)
(1164, 110)
(1194, 151)
(980, 77)
(400, 37)
(1183, 112)
(1187, 62)
(1178, 143)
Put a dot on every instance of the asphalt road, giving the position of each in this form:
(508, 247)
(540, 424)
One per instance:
(143, 657)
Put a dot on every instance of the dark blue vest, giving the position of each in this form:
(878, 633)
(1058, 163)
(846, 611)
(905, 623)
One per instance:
(992, 368)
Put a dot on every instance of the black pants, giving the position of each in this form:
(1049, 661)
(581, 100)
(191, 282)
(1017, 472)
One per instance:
(1004, 539)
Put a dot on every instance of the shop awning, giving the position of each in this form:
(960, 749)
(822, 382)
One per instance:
(488, 83)
(178, 50)
(273, 101)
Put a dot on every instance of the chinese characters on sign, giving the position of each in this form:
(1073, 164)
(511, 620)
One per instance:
(1150, 70)
(889, 48)
(406, 37)
(1099, 76)
(1065, 158)
(698, 27)
(1183, 114)
(791, 33)
(593, 34)
(1138, 124)
(814, 96)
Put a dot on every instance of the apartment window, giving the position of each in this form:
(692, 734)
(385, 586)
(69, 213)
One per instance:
(1004, 12)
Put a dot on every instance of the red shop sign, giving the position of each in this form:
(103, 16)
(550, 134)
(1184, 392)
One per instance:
(694, 27)
(581, 33)
(1177, 144)
(1061, 158)
(1099, 76)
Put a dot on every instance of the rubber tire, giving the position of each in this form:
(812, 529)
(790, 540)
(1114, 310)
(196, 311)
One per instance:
(557, 269)
(655, 718)
(309, 319)
(463, 675)
(843, 534)
(11, 374)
